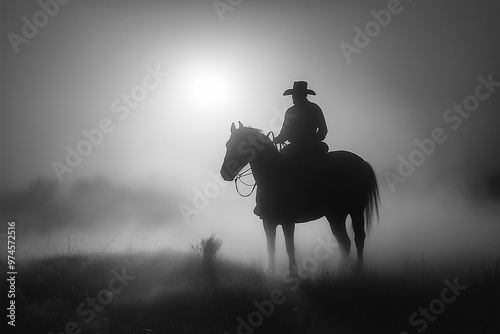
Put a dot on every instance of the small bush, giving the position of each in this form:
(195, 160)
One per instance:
(208, 249)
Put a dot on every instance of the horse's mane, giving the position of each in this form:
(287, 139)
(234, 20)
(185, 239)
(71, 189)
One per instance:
(251, 128)
(258, 131)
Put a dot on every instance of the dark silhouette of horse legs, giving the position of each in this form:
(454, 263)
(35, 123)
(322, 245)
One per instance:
(288, 231)
(358, 225)
(337, 224)
(270, 230)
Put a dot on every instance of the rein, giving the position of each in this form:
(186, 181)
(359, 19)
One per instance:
(279, 146)
(248, 171)
(238, 177)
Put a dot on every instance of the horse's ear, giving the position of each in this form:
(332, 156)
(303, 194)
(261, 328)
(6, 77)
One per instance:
(240, 125)
(233, 127)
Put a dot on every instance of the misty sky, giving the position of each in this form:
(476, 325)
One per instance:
(194, 70)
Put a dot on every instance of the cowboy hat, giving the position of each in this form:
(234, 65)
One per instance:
(299, 87)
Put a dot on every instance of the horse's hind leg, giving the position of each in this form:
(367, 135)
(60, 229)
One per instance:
(270, 229)
(358, 225)
(337, 224)
(288, 231)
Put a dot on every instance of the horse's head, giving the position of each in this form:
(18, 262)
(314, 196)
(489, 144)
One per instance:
(242, 148)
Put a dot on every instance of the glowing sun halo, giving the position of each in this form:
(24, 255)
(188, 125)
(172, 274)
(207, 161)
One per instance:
(207, 90)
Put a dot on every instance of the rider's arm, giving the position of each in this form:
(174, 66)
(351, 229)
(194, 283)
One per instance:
(283, 136)
(322, 128)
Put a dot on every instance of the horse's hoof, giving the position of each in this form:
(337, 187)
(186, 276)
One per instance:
(291, 274)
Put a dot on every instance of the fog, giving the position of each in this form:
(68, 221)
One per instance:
(156, 154)
(444, 225)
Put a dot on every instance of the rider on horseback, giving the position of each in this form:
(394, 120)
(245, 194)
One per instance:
(305, 129)
(304, 125)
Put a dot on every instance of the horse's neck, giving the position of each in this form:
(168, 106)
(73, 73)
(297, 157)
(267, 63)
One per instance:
(266, 165)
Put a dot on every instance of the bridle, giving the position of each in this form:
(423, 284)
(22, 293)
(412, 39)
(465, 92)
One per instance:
(239, 177)
(248, 171)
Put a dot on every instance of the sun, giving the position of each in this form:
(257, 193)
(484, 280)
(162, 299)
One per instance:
(207, 90)
(206, 85)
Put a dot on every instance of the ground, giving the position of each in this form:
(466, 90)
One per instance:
(174, 292)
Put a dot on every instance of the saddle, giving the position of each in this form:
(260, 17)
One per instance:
(308, 159)
(315, 148)
(305, 168)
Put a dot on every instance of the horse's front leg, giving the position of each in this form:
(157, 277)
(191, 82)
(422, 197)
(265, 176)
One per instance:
(270, 229)
(288, 231)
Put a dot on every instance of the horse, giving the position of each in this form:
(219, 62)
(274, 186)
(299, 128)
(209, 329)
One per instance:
(340, 184)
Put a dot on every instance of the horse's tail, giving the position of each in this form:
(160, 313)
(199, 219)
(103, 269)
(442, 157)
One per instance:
(372, 197)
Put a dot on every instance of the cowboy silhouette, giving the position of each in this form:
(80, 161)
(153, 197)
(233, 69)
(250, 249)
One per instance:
(304, 126)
